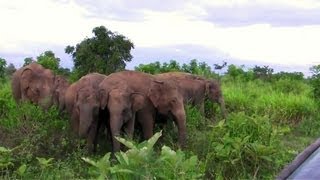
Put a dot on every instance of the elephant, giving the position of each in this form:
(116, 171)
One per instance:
(122, 104)
(34, 83)
(60, 87)
(159, 97)
(196, 89)
(82, 104)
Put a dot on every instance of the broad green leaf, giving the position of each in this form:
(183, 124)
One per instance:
(122, 158)
(127, 143)
(89, 161)
(22, 169)
(154, 139)
(4, 150)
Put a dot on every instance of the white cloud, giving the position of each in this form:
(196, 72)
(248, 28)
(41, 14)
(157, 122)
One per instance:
(41, 21)
(67, 23)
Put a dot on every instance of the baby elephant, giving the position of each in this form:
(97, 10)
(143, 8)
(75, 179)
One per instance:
(122, 104)
(83, 105)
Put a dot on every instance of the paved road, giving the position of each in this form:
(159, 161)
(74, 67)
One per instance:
(309, 169)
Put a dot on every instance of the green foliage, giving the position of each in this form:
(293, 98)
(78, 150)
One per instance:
(269, 123)
(44, 163)
(3, 64)
(194, 67)
(244, 146)
(289, 75)
(257, 97)
(5, 158)
(238, 73)
(49, 61)
(142, 162)
(28, 60)
(106, 52)
(10, 69)
(264, 73)
(315, 80)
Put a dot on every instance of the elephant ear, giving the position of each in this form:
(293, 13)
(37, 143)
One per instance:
(104, 97)
(138, 101)
(27, 76)
(154, 93)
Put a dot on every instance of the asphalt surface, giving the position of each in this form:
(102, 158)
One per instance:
(309, 169)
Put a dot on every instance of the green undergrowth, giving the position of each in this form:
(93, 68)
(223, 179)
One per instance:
(268, 124)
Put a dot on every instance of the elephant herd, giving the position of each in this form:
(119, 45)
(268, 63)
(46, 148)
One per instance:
(117, 101)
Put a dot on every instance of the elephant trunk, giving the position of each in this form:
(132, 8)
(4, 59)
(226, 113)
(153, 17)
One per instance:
(86, 119)
(45, 102)
(180, 120)
(223, 107)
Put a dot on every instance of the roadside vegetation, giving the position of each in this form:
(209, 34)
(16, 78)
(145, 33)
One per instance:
(271, 118)
(269, 122)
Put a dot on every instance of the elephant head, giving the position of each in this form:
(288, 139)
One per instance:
(122, 104)
(166, 98)
(214, 93)
(37, 86)
(87, 107)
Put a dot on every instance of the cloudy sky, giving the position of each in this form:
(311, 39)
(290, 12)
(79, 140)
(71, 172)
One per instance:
(284, 34)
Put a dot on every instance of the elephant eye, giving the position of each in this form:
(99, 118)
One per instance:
(174, 100)
(124, 111)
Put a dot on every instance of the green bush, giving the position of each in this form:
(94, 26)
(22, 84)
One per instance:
(244, 146)
(257, 97)
(142, 162)
(287, 85)
(268, 124)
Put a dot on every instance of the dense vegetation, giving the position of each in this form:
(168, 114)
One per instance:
(270, 121)
(271, 118)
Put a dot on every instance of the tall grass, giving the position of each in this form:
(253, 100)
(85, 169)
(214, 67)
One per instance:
(265, 99)
(268, 124)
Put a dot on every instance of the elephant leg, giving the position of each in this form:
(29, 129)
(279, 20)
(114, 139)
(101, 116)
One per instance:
(75, 122)
(146, 120)
(202, 108)
(129, 128)
(180, 121)
(92, 137)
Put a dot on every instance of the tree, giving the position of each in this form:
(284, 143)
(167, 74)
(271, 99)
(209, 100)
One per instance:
(10, 69)
(315, 80)
(264, 73)
(27, 61)
(106, 52)
(3, 64)
(49, 61)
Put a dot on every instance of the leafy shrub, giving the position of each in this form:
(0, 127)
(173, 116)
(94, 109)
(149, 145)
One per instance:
(298, 87)
(236, 73)
(142, 162)
(3, 64)
(244, 146)
(260, 98)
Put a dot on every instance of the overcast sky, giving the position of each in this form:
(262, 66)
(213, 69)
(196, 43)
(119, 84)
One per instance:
(285, 33)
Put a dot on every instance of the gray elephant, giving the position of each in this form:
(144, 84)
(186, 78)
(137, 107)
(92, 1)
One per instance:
(60, 87)
(122, 104)
(196, 89)
(33, 83)
(83, 105)
(153, 95)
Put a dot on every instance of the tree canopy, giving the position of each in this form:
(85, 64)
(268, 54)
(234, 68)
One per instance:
(106, 52)
(10, 69)
(3, 64)
(27, 61)
(49, 61)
